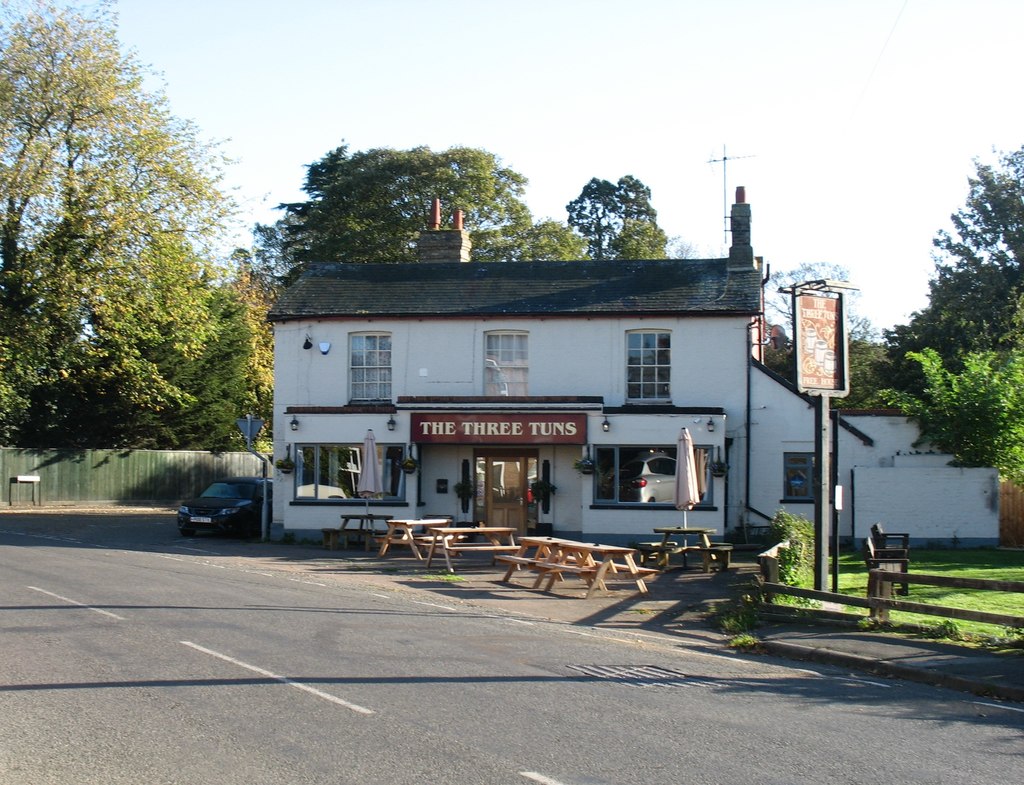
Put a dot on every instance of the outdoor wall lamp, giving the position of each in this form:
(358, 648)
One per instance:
(606, 426)
(711, 425)
(391, 423)
(308, 343)
(294, 423)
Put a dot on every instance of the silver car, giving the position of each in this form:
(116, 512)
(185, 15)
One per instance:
(648, 479)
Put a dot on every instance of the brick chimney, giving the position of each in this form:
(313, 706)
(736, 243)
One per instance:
(444, 245)
(741, 254)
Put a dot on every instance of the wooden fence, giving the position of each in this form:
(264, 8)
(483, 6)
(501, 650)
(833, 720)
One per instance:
(68, 477)
(879, 600)
(1011, 515)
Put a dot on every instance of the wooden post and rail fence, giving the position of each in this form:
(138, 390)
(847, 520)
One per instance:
(879, 600)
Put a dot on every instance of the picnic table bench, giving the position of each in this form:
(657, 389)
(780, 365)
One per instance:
(454, 540)
(412, 532)
(711, 553)
(552, 558)
(363, 530)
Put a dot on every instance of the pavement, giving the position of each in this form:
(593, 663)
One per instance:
(679, 604)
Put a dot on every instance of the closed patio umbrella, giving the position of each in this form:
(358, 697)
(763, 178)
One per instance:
(687, 490)
(371, 476)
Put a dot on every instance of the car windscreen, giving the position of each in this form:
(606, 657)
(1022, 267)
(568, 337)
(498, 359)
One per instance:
(229, 490)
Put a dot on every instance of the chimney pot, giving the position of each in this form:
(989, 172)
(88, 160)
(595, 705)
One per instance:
(435, 214)
(458, 220)
(741, 194)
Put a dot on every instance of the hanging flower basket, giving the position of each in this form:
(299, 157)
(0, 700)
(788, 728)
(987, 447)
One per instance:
(584, 466)
(542, 489)
(409, 465)
(285, 465)
(718, 469)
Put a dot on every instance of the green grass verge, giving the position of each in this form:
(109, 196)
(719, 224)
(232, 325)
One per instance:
(986, 563)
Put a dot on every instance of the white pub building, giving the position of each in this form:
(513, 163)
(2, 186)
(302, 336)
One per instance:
(549, 396)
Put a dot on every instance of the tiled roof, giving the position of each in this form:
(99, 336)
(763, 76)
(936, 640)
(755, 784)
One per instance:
(663, 286)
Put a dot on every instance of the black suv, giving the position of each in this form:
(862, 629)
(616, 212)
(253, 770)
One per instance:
(234, 504)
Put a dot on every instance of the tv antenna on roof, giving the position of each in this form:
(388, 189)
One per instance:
(724, 161)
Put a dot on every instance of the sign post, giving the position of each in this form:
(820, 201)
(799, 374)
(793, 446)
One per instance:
(250, 427)
(820, 344)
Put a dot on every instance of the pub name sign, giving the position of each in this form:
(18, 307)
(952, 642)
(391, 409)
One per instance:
(499, 428)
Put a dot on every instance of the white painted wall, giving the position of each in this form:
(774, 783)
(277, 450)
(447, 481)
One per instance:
(885, 476)
(940, 504)
(568, 357)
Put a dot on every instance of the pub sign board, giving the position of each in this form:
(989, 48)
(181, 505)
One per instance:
(499, 428)
(820, 345)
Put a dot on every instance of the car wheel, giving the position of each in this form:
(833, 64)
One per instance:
(187, 532)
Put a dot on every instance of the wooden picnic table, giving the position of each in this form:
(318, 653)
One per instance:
(363, 529)
(553, 557)
(401, 531)
(454, 540)
(710, 552)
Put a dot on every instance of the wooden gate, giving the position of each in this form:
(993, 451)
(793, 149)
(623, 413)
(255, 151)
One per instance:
(1011, 515)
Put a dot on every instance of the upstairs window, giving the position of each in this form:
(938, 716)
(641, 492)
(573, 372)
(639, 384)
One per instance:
(370, 366)
(648, 366)
(506, 363)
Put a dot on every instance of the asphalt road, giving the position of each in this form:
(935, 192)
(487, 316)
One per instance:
(132, 655)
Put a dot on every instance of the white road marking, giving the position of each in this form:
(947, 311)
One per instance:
(999, 706)
(79, 604)
(541, 778)
(284, 680)
(433, 605)
(307, 582)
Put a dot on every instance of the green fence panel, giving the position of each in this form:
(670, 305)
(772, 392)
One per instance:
(116, 476)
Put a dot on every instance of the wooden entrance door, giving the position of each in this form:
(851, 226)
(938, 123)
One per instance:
(506, 499)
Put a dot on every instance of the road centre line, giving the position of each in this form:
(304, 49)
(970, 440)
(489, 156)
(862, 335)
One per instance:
(283, 679)
(999, 706)
(76, 602)
(537, 777)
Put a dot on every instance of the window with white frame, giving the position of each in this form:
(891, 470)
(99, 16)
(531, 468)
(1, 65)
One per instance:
(646, 475)
(506, 363)
(370, 366)
(330, 472)
(798, 477)
(648, 365)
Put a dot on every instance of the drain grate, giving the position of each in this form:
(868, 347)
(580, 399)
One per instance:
(636, 676)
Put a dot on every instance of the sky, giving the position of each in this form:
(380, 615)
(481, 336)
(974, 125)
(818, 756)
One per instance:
(853, 125)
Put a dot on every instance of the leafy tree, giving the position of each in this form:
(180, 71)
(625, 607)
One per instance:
(976, 295)
(977, 415)
(110, 206)
(545, 240)
(617, 220)
(640, 240)
(371, 207)
(256, 293)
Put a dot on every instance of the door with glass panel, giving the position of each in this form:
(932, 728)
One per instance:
(506, 499)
